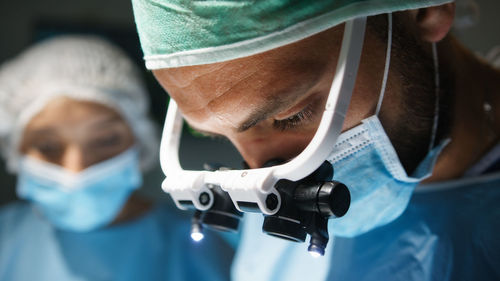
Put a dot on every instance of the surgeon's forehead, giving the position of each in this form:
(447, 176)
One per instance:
(191, 85)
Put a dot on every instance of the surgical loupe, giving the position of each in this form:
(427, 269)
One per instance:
(298, 197)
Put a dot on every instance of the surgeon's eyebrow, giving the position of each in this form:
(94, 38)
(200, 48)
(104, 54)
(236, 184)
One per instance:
(273, 105)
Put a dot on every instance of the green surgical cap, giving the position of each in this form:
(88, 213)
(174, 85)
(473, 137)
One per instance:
(176, 33)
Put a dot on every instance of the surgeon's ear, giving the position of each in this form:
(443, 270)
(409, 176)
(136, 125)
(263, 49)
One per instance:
(434, 23)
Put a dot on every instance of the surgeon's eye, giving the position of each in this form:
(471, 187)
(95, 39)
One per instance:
(300, 118)
(50, 150)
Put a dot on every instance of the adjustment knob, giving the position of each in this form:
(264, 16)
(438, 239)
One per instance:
(333, 199)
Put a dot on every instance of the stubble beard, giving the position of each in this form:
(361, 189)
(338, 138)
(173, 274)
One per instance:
(411, 130)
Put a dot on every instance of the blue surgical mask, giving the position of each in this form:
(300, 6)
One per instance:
(80, 201)
(365, 160)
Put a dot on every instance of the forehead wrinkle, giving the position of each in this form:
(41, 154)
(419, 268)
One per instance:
(214, 104)
(203, 88)
(220, 85)
(189, 74)
(188, 81)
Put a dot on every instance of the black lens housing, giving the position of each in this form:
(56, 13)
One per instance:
(306, 206)
(222, 215)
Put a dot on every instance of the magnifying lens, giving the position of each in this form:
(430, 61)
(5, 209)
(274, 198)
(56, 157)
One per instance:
(298, 197)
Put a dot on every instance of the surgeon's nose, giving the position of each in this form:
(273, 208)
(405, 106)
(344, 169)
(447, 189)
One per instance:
(270, 154)
(261, 144)
(73, 159)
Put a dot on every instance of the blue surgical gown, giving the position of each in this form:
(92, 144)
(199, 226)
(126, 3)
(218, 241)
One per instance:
(449, 231)
(155, 246)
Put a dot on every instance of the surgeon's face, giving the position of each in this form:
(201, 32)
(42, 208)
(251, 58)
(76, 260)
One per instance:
(76, 134)
(269, 105)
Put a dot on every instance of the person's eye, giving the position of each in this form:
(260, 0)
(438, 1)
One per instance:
(296, 120)
(49, 149)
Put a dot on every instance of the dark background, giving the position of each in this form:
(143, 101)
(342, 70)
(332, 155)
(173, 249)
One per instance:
(28, 21)
(23, 22)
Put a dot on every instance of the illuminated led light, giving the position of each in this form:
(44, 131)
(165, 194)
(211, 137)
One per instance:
(315, 251)
(315, 254)
(197, 236)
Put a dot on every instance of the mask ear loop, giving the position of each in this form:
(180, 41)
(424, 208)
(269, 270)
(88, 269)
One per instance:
(387, 63)
(436, 92)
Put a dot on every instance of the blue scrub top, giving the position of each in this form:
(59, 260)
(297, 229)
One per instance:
(156, 246)
(449, 231)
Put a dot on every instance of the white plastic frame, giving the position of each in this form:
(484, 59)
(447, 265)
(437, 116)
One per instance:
(254, 185)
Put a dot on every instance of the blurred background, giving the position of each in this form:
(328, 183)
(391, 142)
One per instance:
(23, 22)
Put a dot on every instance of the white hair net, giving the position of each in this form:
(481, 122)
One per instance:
(80, 67)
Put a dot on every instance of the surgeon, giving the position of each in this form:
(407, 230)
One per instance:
(419, 148)
(76, 132)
